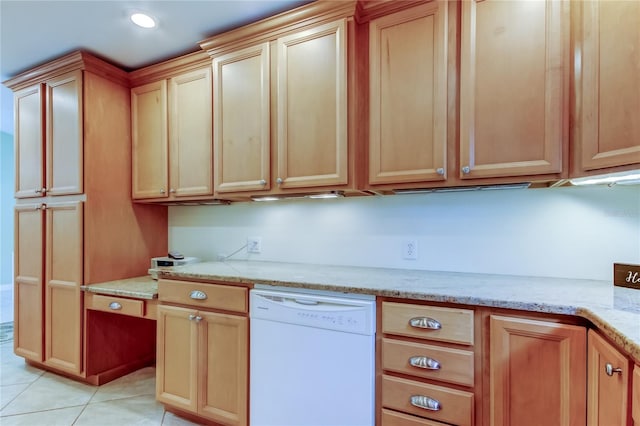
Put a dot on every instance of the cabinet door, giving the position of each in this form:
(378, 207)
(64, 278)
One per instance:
(608, 375)
(150, 144)
(312, 107)
(190, 141)
(177, 358)
(242, 120)
(607, 73)
(63, 277)
(224, 363)
(64, 142)
(29, 141)
(512, 87)
(536, 372)
(28, 284)
(408, 104)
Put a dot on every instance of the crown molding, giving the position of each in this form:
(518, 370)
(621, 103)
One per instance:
(169, 68)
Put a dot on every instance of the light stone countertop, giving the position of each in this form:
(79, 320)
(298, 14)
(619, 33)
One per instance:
(139, 287)
(615, 311)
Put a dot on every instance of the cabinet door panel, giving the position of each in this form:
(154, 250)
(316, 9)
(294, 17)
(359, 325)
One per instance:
(312, 107)
(150, 143)
(63, 297)
(408, 95)
(28, 284)
(223, 391)
(513, 73)
(536, 372)
(242, 120)
(607, 395)
(64, 106)
(29, 140)
(190, 140)
(177, 357)
(635, 398)
(608, 84)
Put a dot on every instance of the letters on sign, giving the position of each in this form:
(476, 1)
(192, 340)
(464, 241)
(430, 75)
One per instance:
(633, 278)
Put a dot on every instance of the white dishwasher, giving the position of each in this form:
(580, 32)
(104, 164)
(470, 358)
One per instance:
(312, 358)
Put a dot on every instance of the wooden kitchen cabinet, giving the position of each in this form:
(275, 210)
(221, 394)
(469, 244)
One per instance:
(93, 233)
(536, 372)
(49, 137)
(408, 95)
(607, 82)
(171, 121)
(635, 396)
(283, 95)
(202, 355)
(514, 69)
(608, 375)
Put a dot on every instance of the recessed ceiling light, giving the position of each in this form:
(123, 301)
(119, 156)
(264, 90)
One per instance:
(143, 20)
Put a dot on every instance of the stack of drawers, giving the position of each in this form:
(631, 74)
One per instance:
(427, 362)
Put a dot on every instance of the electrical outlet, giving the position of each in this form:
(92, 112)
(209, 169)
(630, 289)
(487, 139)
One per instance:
(410, 249)
(254, 244)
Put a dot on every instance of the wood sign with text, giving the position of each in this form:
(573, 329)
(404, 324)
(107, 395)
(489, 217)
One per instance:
(626, 275)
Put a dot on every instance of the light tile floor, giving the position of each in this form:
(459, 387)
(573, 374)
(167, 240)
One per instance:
(30, 396)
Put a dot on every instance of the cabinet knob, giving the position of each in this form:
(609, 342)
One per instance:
(440, 171)
(466, 170)
(198, 295)
(610, 370)
(424, 362)
(41, 191)
(425, 322)
(425, 403)
(279, 181)
(198, 318)
(115, 306)
(172, 190)
(162, 191)
(263, 182)
(191, 317)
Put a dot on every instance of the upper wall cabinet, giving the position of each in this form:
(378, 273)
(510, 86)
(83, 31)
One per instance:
(49, 137)
(172, 133)
(408, 95)
(282, 100)
(607, 86)
(513, 88)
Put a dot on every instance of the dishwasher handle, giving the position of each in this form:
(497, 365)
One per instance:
(306, 302)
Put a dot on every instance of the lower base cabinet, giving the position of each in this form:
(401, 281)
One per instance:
(536, 372)
(202, 351)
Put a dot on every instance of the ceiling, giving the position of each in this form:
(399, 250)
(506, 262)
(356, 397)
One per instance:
(35, 32)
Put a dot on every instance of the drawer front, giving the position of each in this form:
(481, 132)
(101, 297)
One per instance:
(117, 305)
(391, 418)
(428, 322)
(212, 296)
(456, 407)
(432, 362)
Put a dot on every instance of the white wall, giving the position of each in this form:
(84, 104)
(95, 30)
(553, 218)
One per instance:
(561, 232)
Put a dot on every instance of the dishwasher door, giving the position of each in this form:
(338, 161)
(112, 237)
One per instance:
(312, 360)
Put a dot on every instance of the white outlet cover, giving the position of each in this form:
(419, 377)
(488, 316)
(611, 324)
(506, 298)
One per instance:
(254, 244)
(410, 249)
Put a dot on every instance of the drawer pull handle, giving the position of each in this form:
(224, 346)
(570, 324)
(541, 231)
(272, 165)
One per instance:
(424, 362)
(425, 322)
(196, 318)
(425, 403)
(115, 306)
(198, 295)
(609, 370)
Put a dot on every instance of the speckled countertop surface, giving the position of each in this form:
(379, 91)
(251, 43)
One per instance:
(614, 310)
(139, 287)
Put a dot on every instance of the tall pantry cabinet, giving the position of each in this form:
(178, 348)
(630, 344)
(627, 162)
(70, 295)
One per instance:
(74, 220)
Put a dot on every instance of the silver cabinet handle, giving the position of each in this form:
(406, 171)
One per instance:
(425, 403)
(198, 295)
(172, 190)
(198, 318)
(191, 317)
(279, 181)
(41, 191)
(115, 306)
(425, 322)
(440, 171)
(424, 362)
(263, 182)
(610, 370)
(162, 191)
(466, 170)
